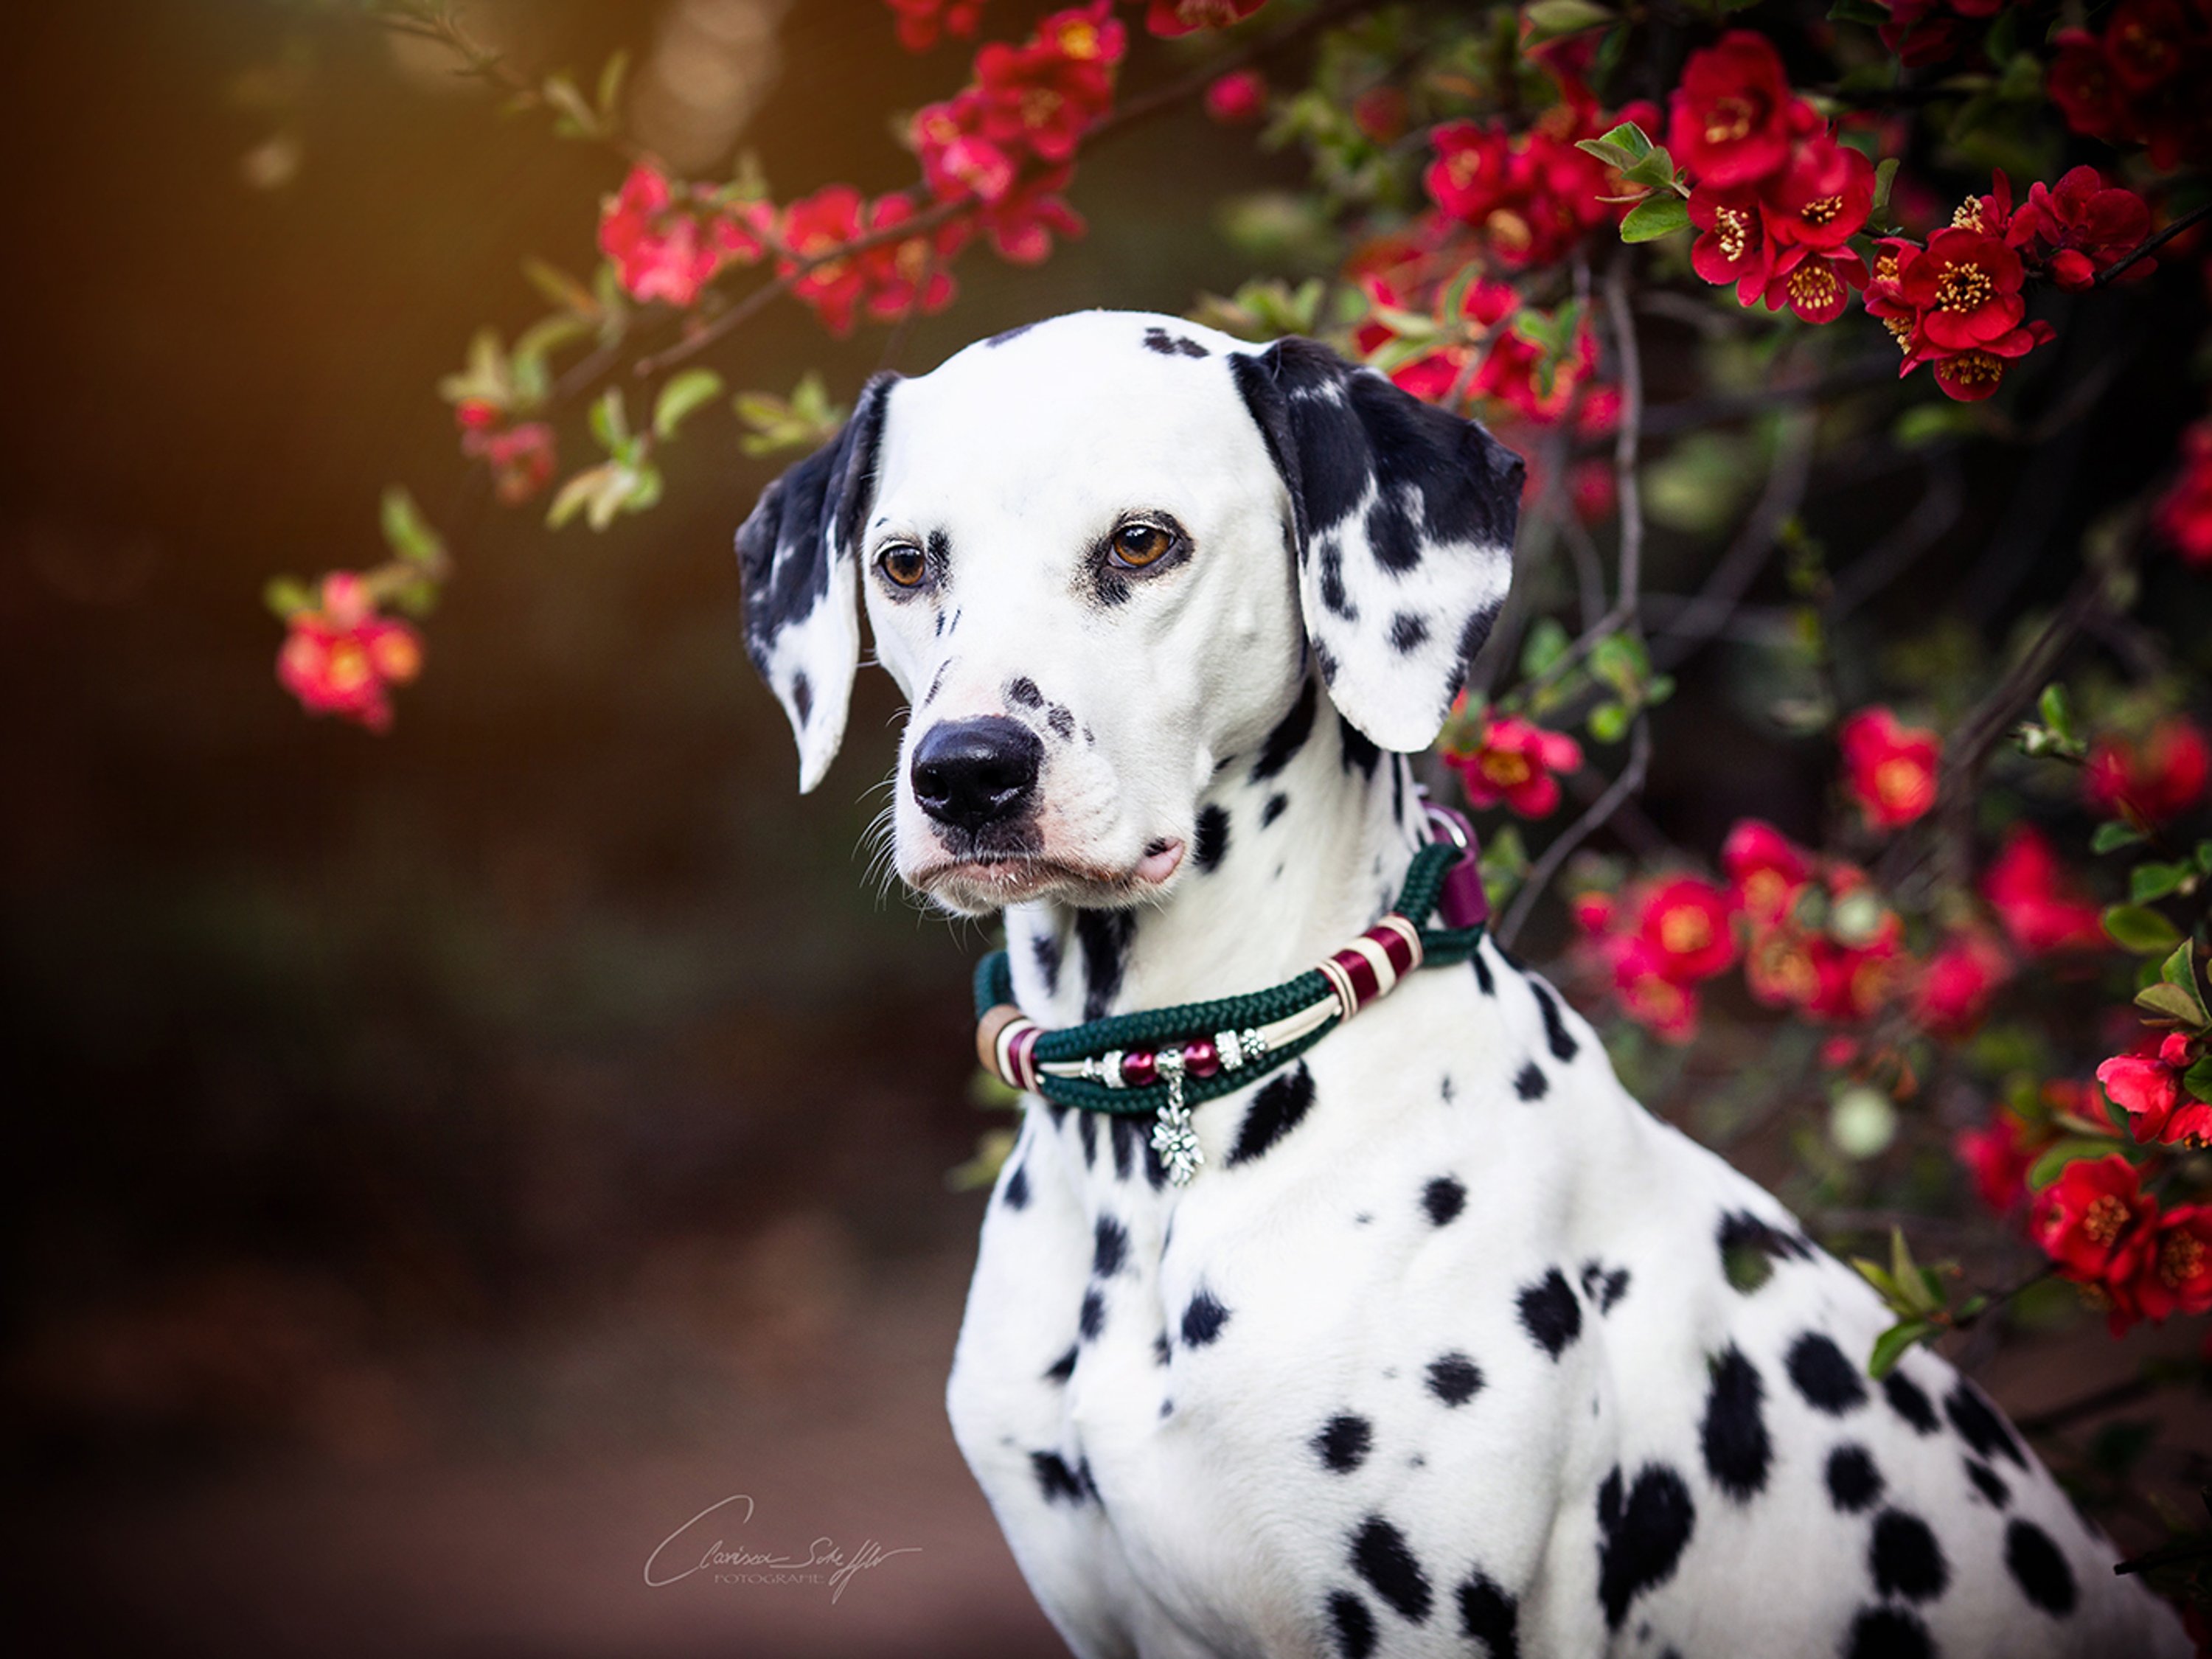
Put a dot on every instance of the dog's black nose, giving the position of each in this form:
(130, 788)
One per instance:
(969, 774)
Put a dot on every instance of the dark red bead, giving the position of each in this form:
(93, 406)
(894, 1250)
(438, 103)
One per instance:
(1140, 1069)
(1200, 1059)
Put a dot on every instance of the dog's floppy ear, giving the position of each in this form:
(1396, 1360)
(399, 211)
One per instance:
(796, 556)
(1404, 518)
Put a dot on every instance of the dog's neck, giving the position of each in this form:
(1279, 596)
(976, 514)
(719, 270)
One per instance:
(1303, 843)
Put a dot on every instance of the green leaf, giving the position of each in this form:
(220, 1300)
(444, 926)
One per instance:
(287, 596)
(611, 84)
(2058, 1155)
(574, 495)
(1546, 643)
(1913, 1283)
(1878, 1276)
(544, 337)
(2141, 931)
(683, 394)
(1885, 177)
(560, 289)
(2146, 882)
(1628, 137)
(406, 532)
(610, 420)
(2197, 1080)
(1931, 423)
(1894, 1344)
(1654, 170)
(2111, 837)
(2171, 1002)
(1548, 20)
(2056, 709)
(1608, 722)
(1654, 216)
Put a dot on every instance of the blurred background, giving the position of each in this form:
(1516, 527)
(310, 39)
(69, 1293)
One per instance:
(440, 1164)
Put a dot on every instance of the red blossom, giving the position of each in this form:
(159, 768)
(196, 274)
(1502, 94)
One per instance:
(1686, 922)
(1038, 97)
(816, 225)
(1237, 98)
(2149, 1089)
(1954, 986)
(1655, 944)
(919, 21)
(2094, 1221)
(2142, 80)
(1667, 1008)
(1965, 289)
(1022, 223)
(1822, 197)
(1733, 117)
(1530, 195)
(912, 275)
(522, 458)
(1889, 768)
(2155, 782)
(667, 242)
(1170, 18)
(1515, 762)
(1767, 869)
(1924, 32)
(1815, 284)
(341, 657)
(2175, 1271)
(2079, 228)
(1733, 245)
(2023, 886)
(1998, 1156)
(2184, 515)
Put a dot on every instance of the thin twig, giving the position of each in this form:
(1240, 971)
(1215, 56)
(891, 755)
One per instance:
(2095, 1404)
(2111, 272)
(1564, 844)
(1718, 600)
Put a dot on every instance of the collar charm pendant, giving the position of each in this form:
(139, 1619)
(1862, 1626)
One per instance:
(1173, 1136)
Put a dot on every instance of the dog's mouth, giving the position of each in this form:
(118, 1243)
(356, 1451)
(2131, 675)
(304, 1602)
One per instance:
(988, 881)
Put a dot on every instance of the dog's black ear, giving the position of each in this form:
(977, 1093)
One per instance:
(1404, 518)
(797, 555)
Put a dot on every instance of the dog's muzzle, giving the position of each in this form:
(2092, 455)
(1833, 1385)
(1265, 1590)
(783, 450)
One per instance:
(970, 774)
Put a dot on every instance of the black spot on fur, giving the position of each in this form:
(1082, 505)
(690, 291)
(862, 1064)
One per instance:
(802, 697)
(1736, 1446)
(1329, 549)
(1359, 750)
(1104, 937)
(1016, 1193)
(1443, 1198)
(1392, 536)
(1749, 1249)
(1408, 633)
(1904, 1557)
(1290, 736)
(1213, 838)
(1829, 1382)
(2039, 1569)
(1381, 1555)
(1889, 1633)
(1023, 690)
(1550, 1314)
(1044, 950)
(1530, 1083)
(1602, 1287)
(1013, 333)
(1979, 1426)
(1273, 810)
(1344, 1443)
(1090, 1318)
(1086, 1131)
(1854, 1483)
(1326, 662)
(1353, 1624)
(1562, 1044)
(937, 680)
(1202, 1320)
(1062, 1368)
(1162, 1352)
(1989, 1483)
(1062, 723)
(1110, 1247)
(1490, 1616)
(1278, 1108)
(1483, 981)
(1054, 1478)
(1643, 1537)
(1127, 1134)
(1910, 1401)
(1173, 345)
(1454, 1378)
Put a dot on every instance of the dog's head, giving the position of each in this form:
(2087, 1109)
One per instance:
(1097, 553)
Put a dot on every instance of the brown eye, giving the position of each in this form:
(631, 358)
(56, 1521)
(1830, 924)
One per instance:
(903, 564)
(1136, 545)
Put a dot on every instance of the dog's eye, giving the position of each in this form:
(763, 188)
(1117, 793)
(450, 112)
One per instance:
(1136, 545)
(903, 563)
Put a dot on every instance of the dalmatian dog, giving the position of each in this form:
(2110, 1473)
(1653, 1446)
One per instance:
(1449, 1347)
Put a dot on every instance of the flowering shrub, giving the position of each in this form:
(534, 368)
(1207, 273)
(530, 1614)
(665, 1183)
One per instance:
(1664, 257)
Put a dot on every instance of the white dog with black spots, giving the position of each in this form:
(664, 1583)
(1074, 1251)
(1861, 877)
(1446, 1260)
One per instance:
(1449, 1347)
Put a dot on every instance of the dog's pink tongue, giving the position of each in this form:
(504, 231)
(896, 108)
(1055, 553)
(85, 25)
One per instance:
(1160, 862)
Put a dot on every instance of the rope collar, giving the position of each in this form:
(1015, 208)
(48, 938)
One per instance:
(1162, 1061)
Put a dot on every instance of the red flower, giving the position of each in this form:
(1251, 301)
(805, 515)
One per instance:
(2079, 228)
(1686, 923)
(1515, 762)
(1815, 284)
(1655, 944)
(1038, 97)
(522, 458)
(1733, 245)
(1021, 224)
(1955, 985)
(2081, 84)
(1767, 869)
(1966, 288)
(2154, 783)
(2022, 886)
(1531, 194)
(815, 226)
(1823, 196)
(1665, 1006)
(1968, 377)
(1998, 1156)
(957, 160)
(2175, 1275)
(913, 275)
(339, 657)
(1237, 98)
(919, 21)
(1924, 32)
(1734, 117)
(668, 244)
(2094, 1220)
(2184, 512)
(1170, 18)
(2149, 1088)
(1889, 769)
(2142, 80)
